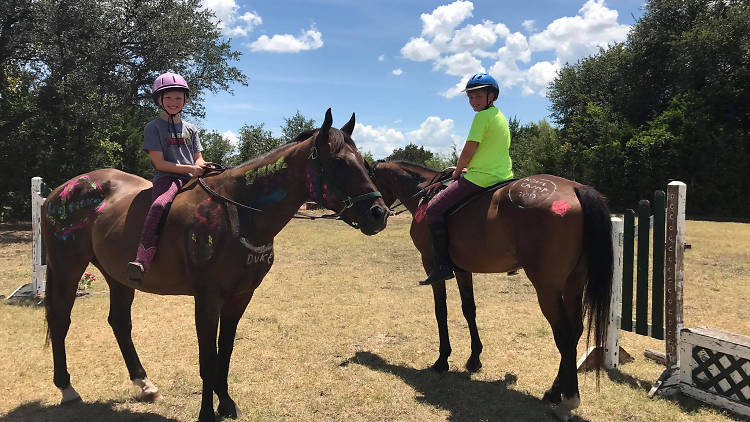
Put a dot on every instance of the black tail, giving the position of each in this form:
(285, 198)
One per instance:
(597, 245)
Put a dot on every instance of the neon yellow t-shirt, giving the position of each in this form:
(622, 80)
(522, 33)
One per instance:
(491, 162)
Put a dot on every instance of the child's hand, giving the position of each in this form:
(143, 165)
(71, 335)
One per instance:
(196, 170)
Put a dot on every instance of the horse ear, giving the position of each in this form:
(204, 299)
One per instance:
(348, 128)
(322, 139)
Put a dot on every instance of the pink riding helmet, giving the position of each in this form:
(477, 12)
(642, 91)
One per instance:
(167, 81)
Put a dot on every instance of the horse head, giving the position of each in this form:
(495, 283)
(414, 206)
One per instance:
(342, 182)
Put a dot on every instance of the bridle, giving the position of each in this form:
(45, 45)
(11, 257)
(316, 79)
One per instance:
(321, 187)
(418, 194)
(319, 192)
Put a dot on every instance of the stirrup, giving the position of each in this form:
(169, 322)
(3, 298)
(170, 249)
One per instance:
(135, 272)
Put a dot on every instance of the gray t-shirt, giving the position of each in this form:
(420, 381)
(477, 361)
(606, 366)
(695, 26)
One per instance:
(157, 136)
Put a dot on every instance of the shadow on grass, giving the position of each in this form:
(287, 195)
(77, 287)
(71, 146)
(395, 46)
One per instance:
(464, 398)
(687, 404)
(97, 411)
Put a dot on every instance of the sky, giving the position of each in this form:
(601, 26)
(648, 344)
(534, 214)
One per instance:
(400, 64)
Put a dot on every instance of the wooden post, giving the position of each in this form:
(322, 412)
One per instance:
(36, 288)
(657, 280)
(641, 287)
(38, 261)
(627, 270)
(668, 382)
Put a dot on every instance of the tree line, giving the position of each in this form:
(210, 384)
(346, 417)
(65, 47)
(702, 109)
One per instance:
(671, 102)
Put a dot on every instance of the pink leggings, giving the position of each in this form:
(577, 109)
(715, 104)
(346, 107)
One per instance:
(164, 191)
(448, 197)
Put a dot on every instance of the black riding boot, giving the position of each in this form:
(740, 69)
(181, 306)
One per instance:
(442, 268)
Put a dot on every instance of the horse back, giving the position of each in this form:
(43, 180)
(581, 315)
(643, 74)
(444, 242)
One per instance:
(523, 224)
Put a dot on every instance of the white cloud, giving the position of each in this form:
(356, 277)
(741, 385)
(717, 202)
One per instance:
(473, 37)
(463, 50)
(434, 133)
(397, 72)
(287, 43)
(231, 137)
(229, 22)
(575, 37)
(439, 24)
(459, 64)
(419, 50)
(380, 141)
(381, 57)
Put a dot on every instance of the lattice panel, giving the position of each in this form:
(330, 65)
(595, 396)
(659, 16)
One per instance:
(722, 374)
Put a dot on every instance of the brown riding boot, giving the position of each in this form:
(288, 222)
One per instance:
(443, 267)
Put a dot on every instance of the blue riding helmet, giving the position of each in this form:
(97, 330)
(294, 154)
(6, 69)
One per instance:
(482, 80)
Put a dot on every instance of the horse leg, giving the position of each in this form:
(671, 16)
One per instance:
(231, 313)
(563, 394)
(441, 315)
(207, 310)
(62, 283)
(469, 308)
(120, 302)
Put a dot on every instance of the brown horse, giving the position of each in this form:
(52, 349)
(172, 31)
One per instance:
(216, 244)
(557, 230)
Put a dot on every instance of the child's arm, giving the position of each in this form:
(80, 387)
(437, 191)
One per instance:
(466, 154)
(199, 161)
(157, 157)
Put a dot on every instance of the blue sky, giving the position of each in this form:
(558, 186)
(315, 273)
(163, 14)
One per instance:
(399, 65)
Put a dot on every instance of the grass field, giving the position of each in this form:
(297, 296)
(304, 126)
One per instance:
(340, 331)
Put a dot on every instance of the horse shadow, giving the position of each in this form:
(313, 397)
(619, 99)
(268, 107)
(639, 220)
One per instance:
(97, 411)
(466, 399)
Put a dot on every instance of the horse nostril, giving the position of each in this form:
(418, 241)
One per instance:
(377, 212)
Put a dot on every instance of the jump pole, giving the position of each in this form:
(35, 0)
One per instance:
(38, 259)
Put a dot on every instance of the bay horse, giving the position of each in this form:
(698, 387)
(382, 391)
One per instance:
(557, 230)
(216, 244)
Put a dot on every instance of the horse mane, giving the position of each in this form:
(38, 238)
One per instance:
(409, 163)
(337, 142)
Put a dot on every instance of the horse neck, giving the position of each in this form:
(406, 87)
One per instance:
(274, 183)
(405, 186)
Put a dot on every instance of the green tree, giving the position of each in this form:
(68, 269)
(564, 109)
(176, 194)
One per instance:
(672, 102)
(75, 80)
(255, 141)
(216, 148)
(368, 157)
(412, 153)
(295, 125)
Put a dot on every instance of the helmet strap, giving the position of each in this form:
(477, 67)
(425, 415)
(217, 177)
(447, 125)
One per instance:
(171, 126)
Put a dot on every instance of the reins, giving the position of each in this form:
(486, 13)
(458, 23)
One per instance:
(418, 194)
(218, 168)
(319, 196)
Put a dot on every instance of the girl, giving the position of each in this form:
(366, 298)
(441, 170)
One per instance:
(175, 152)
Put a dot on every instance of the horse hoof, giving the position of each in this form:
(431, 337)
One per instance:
(564, 408)
(69, 396)
(207, 416)
(230, 411)
(473, 365)
(71, 402)
(561, 412)
(552, 396)
(149, 392)
(440, 366)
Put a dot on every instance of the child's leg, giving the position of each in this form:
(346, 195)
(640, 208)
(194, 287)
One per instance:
(448, 197)
(164, 191)
(442, 268)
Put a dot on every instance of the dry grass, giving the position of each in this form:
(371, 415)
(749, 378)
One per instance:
(339, 330)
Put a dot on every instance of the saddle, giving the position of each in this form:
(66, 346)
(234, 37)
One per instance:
(435, 185)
